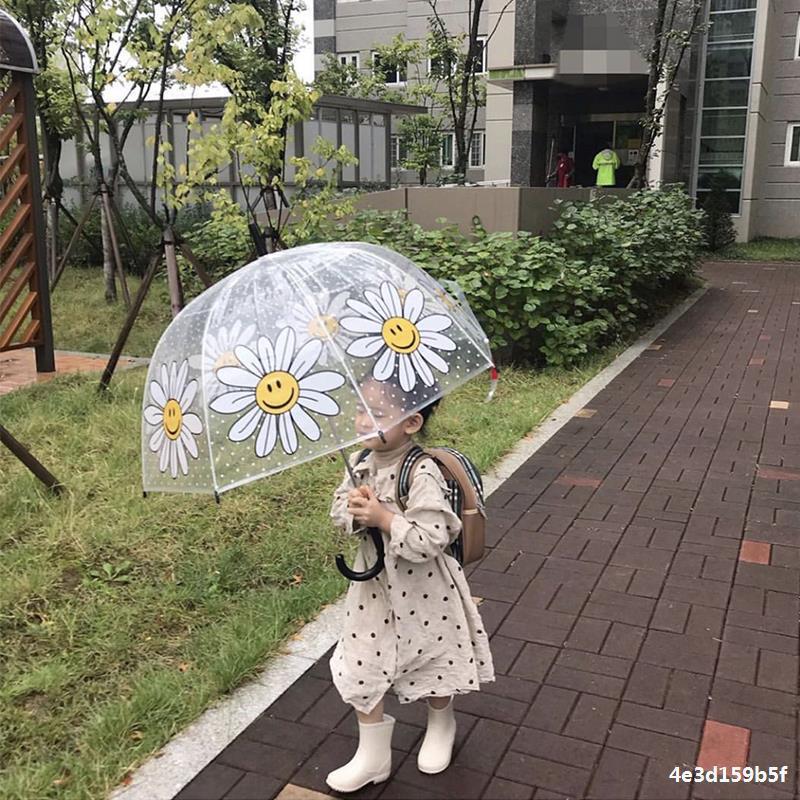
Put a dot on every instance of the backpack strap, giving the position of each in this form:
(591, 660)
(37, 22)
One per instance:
(406, 473)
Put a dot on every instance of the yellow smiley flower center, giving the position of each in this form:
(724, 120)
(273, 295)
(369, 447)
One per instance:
(323, 326)
(173, 419)
(277, 392)
(400, 334)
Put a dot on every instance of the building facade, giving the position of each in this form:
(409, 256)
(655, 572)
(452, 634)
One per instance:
(571, 75)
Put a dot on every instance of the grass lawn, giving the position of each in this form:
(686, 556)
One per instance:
(82, 320)
(123, 618)
(760, 250)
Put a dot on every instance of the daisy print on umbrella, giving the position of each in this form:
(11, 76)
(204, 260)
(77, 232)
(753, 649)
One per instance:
(273, 390)
(176, 427)
(318, 318)
(396, 329)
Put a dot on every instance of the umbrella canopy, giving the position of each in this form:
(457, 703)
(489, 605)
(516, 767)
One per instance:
(267, 368)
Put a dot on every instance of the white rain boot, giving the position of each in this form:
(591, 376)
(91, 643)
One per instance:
(372, 762)
(437, 746)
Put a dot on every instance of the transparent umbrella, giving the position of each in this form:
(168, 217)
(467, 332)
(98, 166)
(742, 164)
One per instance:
(265, 370)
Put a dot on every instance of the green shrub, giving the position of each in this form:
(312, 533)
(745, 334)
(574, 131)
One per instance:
(717, 223)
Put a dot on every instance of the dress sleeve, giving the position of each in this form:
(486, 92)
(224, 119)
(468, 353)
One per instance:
(428, 524)
(341, 518)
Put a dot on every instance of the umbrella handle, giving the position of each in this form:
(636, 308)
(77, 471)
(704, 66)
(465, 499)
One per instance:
(374, 570)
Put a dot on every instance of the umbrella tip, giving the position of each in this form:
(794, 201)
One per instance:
(216, 497)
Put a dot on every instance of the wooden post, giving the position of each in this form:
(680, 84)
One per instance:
(32, 463)
(152, 268)
(115, 245)
(173, 275)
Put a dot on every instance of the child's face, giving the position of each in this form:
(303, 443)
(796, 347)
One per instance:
(395, 434)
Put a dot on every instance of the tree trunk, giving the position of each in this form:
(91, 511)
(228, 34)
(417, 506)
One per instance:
(108, 259)
(423, 176)
(52, 238)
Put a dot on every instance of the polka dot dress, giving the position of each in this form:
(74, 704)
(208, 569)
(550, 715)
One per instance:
(414, 628)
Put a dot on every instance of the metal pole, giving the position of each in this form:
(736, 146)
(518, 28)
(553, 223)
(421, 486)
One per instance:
(32, 463)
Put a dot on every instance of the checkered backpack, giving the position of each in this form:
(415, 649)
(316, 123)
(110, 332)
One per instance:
(464, 493)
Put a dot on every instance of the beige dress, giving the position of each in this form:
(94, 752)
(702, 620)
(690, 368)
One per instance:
(414, 628)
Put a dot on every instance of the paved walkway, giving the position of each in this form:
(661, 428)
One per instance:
(641, 591)
(18, 367)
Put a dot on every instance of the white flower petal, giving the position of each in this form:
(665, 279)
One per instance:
(246, 425)
(180, 450)
(337, 305)
(267, 436)
(423, 370)
(365, 346)
(378, 304)
(156, 440)
(408, 378)
(321, 381)
(154, 415)
(158, 394)
(434, 359)
(180, 381)
(284, 349)
(163, 462)
(193, 424)
(187, 397)
(266, 354)
(434, 322)
(173, 379)
(307, 356)
(288, 434)
(391, 297)
(189, 443)
(165, 380)
(318, 402)
(384, 366)
(173, 459)
(360, 325)
(238, 377)
(437, 340)
(366, 311)
(306, 423)
(249, 360)
(232, 402)
(413, 305)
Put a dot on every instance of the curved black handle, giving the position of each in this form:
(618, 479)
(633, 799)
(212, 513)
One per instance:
(374, 570)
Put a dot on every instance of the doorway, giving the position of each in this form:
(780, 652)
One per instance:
(590, 139)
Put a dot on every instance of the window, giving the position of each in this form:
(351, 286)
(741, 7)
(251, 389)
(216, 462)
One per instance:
(447, 149)
(481, 59)
(793, 144)
(797, 39)
(477, 149)
(349, 59)
(390, 73)
(438, 67)
(398, 152)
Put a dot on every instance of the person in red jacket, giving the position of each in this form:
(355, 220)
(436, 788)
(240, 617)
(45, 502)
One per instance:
(565, 169)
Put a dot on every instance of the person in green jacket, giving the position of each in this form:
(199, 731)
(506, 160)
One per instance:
(606, 162)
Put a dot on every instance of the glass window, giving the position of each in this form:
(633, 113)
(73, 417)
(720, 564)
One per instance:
(730, 177)
(793, 144)
(349, 59)
(477, 149)
(731, 5)
(732, 27)
(732, 199)
(724, 122)
(447, 150)
(726, 93)
(327, 114)
(398, 152)
(481, 59)
(728, 150)
(728, 61)
(390, 73)
(797, 39)
(627, 135)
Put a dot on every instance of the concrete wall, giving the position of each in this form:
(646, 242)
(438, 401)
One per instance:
(775, 101)
(499, 208)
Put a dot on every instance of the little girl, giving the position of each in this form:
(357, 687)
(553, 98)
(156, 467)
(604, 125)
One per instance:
(414, 628)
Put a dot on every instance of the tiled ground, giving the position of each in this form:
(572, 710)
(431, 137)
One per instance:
(641, 590)
(18, 367)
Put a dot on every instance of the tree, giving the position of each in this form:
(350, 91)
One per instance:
(464, 86)
(717, 222)
(675, 25)
(421, 139)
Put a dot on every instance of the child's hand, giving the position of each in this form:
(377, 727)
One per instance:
(367, 510)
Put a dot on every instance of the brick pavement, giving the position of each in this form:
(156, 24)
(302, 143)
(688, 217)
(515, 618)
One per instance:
(641, 590)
